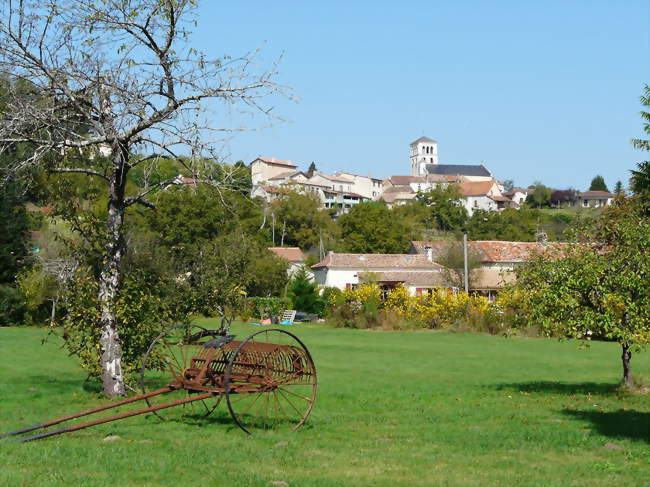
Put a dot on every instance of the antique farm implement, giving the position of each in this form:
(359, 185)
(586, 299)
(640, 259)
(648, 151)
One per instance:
(268, 380)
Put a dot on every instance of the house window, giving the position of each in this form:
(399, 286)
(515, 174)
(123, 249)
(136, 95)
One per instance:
(475, 203)
(585, 203)
(432, 159)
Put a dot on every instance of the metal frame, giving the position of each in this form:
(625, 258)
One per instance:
(221, 366)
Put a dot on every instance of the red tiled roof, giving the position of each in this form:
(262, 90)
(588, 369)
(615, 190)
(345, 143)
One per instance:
(273, 160)
(292, 254)
(378, 261)
(491, 250)
(475, 188)
(595, 194)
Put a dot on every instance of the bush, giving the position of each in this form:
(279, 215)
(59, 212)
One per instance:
(267, 308)
(363, 308)
(143, 309)
(12, 306)
(303, 293)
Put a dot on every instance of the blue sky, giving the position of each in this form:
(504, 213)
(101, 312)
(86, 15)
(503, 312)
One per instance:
(536, 90)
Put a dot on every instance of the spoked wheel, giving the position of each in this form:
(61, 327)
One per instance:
(270, 382)
(168, 356)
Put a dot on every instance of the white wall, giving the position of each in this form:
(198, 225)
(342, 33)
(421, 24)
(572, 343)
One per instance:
(421, 154)
(473, 203)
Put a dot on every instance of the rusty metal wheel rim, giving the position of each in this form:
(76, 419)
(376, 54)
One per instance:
(287, 403)
(195, 334)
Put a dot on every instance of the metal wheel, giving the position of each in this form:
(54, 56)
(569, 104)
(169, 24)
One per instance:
(270, 381)
(168, 356)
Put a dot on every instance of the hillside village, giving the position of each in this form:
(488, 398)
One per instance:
(480, 189)
(419, 270)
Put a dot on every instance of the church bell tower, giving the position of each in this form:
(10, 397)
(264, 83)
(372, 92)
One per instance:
(423, 151)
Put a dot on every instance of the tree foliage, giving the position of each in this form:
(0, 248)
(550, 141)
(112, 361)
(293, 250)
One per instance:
(597, 287)
(598, 184)
(445, 205)
(303, 292)
(372, 228)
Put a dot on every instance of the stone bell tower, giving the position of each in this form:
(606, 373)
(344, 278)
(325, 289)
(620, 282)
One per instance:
(423, 151)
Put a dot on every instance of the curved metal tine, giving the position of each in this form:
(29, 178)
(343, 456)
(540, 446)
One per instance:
(213, 408)
(297, 395)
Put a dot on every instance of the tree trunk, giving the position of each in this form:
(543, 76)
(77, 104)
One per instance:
(626, 356)
(110, 280)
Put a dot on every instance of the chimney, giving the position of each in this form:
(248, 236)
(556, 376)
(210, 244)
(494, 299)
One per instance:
(428, 251)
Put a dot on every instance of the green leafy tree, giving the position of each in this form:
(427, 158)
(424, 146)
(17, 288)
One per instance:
(597, 288)
(299, 220)
(541, 195)
(446, 210)
(118, 78)
(303, 292)
(640, 180)
(14, 233)
(373, 228)
(508, 184)
(598, 184)
(516, 225)
(618, 187)
(452, 257)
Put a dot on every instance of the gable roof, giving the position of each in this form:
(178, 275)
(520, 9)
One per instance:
(278, 162)
(491, 250)
(423, 139)
(595, 194)
(378, 261)
(292, 254)
(458, 169)
(475, 188)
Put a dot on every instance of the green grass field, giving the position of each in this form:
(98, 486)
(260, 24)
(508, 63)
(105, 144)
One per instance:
(393, 408)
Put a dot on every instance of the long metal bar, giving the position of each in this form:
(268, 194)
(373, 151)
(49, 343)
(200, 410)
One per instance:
(81, 426)
(90, 411)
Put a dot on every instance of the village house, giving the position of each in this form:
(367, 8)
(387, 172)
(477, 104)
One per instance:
(417, 273)
(498, 260)
(294, 256)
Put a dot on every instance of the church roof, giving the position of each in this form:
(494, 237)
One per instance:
(460, 169)
(423, 139)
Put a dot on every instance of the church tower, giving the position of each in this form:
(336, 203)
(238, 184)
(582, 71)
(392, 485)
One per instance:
(423, 151)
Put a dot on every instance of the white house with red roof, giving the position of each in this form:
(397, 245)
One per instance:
(416, 272)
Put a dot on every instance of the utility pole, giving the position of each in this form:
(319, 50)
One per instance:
(273, 227)
(465, 262)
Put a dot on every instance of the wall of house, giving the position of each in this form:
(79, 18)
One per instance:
(473, 203)
(261, 171)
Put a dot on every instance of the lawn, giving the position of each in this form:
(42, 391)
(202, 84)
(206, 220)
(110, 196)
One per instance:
(393, 408)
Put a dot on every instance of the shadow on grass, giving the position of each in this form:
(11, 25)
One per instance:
(623, 424)
(550, 387)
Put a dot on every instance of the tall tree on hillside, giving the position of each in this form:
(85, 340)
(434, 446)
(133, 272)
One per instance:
(541, 195)
(372, 227)
(116, 78)
(640, 180)
(597, 288)
(618, 187)
(598, 184)
(445, 207)
(508, 184)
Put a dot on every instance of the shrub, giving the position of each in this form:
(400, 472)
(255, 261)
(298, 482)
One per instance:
(303, 293)
(267, 308)
(12, 306)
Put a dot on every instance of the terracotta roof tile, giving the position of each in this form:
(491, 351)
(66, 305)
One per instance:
(292, 254)
(273, 160)
(475, 188)
(491, 250)
(378, 261)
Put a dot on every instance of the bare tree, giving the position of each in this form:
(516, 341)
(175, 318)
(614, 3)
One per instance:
(116, 78)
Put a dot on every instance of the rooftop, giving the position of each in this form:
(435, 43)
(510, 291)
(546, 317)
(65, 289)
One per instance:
(460, 169)
(423, 139)
(278, 162)
(490, 250)
(475, 188)
(378, 261)
(292, 254)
